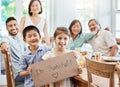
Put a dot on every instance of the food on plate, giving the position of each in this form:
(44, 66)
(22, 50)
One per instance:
(111, 58)
(84, 53)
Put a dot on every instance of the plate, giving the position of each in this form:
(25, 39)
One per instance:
(111, 59)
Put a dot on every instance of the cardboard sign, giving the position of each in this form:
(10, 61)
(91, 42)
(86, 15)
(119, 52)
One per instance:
(54, 69)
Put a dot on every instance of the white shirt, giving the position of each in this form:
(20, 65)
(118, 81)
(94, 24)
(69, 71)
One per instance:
(40, 25)
(102, 42)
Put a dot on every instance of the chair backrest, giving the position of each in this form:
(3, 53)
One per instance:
(118, 41)
(118, 72)
(9, 72)
(100, 69)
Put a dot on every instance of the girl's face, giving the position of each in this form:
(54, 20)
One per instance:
(93, 26)
(32, 38)
(35, 7)
(61, 40)
(76, 28)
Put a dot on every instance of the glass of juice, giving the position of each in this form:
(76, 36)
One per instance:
(81, 61)
(97, 56)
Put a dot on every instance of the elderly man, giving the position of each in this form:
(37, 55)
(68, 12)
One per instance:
(103, 41)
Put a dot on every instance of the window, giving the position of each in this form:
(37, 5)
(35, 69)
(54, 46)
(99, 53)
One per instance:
(16, 8)
(7, 9)
(84, 11)
(117, 25)
(118, 4)
(116, 17)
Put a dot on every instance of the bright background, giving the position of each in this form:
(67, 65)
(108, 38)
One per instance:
(62, 12)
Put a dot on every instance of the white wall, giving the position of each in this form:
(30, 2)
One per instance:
(65, 12)
(104, 13)
(19, 13)
(62, 12)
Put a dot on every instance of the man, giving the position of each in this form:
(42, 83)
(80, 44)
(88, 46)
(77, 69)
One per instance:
(15, 44)
(103, 41)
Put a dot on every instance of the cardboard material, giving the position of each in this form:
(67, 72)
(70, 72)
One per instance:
(54, 69)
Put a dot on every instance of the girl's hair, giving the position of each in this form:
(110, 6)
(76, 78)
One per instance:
(29, 7)
(95, 22)
(29, 28)
(60, 30)
(72, 23)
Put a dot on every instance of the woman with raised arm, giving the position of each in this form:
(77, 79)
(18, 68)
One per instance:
(34, 18)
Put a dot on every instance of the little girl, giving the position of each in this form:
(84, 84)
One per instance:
(61, 38)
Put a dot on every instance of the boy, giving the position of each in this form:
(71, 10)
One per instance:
(33, 54)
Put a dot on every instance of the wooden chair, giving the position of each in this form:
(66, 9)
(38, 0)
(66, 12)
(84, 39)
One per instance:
(118, 41)
(118, 72)
(99, 69)
(9, 72)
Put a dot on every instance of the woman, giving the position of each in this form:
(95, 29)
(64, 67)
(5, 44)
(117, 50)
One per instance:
(34, 9)
(77, 37)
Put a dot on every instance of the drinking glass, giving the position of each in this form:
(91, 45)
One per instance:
(81, 61)
(97, 56)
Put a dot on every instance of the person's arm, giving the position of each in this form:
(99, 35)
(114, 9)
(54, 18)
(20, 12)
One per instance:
(111, 42)
(47, 38)
(24, 73)
(46, 55)
(22, 22)
(113, 50)
(24, 68)
(88, 36)
(107, 28)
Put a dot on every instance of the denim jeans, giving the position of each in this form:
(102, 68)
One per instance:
(19, 80)
(3, 72)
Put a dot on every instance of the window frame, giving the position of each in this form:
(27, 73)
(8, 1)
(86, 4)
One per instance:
(86, 11)
(115, 11)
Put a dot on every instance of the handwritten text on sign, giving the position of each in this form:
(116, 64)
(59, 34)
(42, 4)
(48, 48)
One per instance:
(54, 69)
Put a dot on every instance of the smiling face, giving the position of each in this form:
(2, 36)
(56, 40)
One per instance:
(93, 25)
(76, 28)
(61, 40)
(35, 7)
(12, 27)
(32, 38)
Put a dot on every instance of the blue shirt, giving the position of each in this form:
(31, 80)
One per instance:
(30, 58)
(79, 40)
(17, 47)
